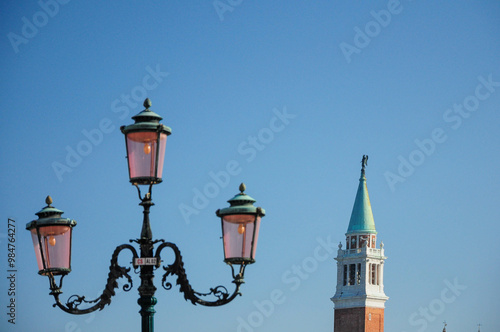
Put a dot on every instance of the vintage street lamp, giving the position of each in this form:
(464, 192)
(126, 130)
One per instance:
(145, 142)
(240, 228)
(51, 236)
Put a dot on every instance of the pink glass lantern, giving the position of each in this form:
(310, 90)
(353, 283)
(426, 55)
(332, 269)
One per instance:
(240, 228)
(146, 140)
(51, 236)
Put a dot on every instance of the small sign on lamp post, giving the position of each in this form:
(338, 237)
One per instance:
(145, 261)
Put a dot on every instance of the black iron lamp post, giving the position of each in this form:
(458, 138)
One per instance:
(145, 141)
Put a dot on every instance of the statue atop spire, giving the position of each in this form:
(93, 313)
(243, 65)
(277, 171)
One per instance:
(364, 163)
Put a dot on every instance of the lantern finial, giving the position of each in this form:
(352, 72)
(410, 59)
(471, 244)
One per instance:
(242, 187)
(48, 200)
(147, 103)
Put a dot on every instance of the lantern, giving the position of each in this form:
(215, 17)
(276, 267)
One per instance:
(146, 140)
(240, 228)
(51, 236)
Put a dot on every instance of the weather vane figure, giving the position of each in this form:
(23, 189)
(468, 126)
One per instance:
(364, 163)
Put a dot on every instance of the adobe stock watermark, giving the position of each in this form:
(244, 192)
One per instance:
(292, 278)
(248, 148)
(31, 27)
(95, 136)
(436, 307)
(453, 116)
(363, 37)
(223, 6)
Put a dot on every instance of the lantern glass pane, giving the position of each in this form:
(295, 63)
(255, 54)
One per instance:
(142, 150)
(161, 157)
(55, 247)
(238, 232)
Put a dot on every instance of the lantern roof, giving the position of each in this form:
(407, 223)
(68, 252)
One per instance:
(241, 203)
(48, 216)
(147, 115)
(49, 210)
(146, 120)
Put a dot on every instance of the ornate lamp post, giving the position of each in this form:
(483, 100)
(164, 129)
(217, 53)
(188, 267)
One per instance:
(145, 141)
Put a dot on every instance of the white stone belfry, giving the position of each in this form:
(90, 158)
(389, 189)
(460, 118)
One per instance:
(360, 270)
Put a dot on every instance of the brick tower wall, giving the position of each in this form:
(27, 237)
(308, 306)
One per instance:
(375, 321)
(360, 319)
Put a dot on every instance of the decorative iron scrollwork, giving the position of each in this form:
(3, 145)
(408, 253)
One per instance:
(115, 272)
(177, 268)
(220, 293)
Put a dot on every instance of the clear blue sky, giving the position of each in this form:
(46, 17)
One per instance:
(294, 92)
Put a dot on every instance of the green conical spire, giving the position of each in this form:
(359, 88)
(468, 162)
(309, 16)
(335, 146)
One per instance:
(362, 216)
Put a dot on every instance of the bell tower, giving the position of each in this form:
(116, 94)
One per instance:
(360, 299)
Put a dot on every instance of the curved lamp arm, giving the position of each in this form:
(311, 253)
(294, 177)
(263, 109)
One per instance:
(115, 272)
(177, 268)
